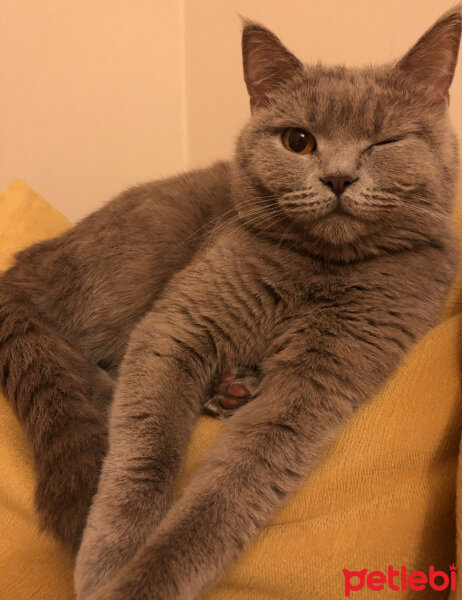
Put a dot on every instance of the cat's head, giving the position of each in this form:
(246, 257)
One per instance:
(354, 162)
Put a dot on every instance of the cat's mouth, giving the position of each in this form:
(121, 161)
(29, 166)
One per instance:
(340, 225)
(350, 210)
(338, 221)
(341, 211)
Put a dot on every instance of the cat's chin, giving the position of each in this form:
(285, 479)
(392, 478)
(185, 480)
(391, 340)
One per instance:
(338, 229)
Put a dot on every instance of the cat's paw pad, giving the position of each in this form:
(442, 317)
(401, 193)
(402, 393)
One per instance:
(230, 391)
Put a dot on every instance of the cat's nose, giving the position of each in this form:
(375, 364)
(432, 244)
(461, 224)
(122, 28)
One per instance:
(337, 183)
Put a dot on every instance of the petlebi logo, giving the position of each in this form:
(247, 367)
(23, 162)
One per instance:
(400, 580)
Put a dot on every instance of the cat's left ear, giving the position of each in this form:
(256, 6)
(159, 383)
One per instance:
(431, 62)
(267, 63)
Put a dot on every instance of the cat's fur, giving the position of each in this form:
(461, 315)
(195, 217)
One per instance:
(324, 295)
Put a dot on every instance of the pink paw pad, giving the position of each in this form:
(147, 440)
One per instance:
(230, 390)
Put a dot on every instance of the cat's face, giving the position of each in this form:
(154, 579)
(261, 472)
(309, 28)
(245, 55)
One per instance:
(356, 159)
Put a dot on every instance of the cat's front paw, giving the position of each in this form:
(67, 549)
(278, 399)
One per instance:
(140, 584)
(230, 391)
(104, 593)
(117, 590)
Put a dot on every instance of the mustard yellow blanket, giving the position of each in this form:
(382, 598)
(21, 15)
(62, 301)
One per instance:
(385, 494)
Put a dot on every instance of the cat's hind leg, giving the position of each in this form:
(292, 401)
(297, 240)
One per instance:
(231, 390)
(59, 397)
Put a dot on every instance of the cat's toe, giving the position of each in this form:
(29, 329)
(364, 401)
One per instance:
(230, 391)
(213, 408)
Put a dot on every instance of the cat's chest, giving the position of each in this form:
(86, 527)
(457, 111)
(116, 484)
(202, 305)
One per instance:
(239, 297)
(251, 315)
(240, 302)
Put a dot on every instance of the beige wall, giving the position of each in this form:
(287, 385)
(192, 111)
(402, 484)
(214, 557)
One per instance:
(92, 96)
(98, 95)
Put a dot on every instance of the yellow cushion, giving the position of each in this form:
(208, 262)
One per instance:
(384, 494)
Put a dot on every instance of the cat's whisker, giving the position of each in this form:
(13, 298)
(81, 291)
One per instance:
(378, 204)
(411, 210)
(266, 211)
(286, 232)
(272, 223)
(297, 191)
(243, 214)
(250, 202)
(264, 218)
(297, 199)
(301, 202)
(234, 216)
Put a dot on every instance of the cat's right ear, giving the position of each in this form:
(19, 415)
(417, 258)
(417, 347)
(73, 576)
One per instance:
(431, 62)
(267, 63)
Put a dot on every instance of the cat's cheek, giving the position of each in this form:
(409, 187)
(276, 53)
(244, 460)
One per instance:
(281, 171)
(409, 160)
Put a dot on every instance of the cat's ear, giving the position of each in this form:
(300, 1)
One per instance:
(431, 62)
(267, 63)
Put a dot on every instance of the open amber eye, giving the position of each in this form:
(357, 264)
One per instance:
(298, 140)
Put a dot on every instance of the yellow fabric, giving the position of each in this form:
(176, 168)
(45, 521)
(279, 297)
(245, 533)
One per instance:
(384, 495)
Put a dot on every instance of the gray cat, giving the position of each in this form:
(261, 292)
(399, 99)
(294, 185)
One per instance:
(314, 261)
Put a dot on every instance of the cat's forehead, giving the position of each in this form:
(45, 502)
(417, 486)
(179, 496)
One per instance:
(360, 103)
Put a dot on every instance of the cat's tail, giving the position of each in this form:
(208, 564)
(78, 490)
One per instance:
(55, 393)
